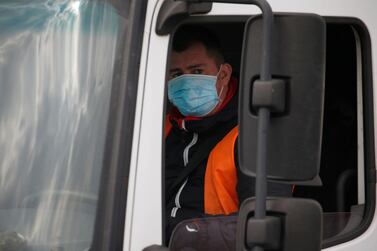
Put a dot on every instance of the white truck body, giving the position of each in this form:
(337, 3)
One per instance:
(148, 127)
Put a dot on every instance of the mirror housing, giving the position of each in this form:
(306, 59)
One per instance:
(295, 96)
(291, 224)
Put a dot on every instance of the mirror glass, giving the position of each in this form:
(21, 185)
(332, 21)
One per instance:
(298, 58)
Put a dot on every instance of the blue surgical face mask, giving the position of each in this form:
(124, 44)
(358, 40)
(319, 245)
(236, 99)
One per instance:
(194, 94)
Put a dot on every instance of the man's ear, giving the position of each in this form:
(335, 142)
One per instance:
(225, 73)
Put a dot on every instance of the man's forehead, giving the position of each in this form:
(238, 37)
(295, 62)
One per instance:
(193, 56)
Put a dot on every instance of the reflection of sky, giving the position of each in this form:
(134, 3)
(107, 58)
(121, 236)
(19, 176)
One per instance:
(56, 66)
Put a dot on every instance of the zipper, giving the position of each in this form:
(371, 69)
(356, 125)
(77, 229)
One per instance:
(185, 161)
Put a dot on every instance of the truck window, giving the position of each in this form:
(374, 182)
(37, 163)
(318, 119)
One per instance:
(344, 195)
(57, 62)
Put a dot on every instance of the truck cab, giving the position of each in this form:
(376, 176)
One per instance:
(83, 105)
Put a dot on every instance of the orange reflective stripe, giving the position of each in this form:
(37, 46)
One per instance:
(220, 192)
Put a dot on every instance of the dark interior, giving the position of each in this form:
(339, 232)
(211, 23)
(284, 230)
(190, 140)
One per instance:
(339, 142)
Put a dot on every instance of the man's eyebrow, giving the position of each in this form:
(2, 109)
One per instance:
(195, 66)
(189, 67)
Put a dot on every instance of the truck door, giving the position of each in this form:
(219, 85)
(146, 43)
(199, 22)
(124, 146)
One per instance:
(346, 196)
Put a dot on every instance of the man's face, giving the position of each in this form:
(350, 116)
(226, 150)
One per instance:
(195, 60)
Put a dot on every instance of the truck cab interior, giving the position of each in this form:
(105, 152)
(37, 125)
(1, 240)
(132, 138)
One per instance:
(347, 133)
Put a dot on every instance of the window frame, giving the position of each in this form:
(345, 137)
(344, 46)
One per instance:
(112, 202)
(367, 114)
(368, 124)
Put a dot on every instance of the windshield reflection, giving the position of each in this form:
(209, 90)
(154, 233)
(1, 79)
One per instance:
(56, 68)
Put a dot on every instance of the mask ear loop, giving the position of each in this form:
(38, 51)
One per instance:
(222, 88)
(217, 75)
(221, 92)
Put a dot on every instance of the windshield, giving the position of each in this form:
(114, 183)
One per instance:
(57, 60)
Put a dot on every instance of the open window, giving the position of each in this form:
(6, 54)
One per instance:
(347, 162)
(346, 196)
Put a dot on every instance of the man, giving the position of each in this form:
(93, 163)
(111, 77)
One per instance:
(201, 169)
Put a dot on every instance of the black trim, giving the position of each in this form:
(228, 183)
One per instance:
(369, 148)
(372, 176)
(110, 219)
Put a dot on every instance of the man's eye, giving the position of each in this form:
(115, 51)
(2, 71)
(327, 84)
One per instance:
(197, 71)
(174, 75)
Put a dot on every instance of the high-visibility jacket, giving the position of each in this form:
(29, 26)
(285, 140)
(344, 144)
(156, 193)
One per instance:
(220, 192)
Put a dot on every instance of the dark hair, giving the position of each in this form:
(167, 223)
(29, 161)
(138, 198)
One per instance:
(187, 35)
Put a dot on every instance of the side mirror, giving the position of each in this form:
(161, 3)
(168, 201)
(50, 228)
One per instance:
(297, 96)
(291, 153)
